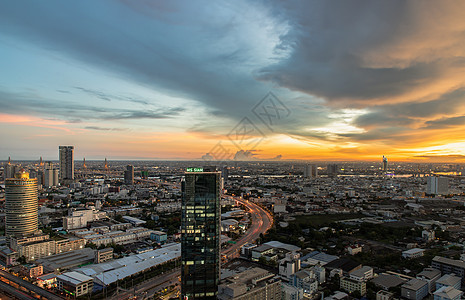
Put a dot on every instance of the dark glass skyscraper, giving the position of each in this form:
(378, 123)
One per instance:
(66, 163)
(200, 225)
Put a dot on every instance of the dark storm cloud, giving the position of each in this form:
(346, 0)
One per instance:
(399, 59)
(445, 122)
(406, 114)
(186, 51)
(363, 50)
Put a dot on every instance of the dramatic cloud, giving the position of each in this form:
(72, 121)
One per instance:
(367, 52)
(356, 77)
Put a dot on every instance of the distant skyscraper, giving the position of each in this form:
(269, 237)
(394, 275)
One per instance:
(310, 171)
(21, 205)
(106, 164)
(8, 169)
(84, 166)
(437, 185)
(332, 169)
(129, 175)
(50, 175)
(225, 173)
(200, 227)
(66, 163)
(385, 164)
(41, 162)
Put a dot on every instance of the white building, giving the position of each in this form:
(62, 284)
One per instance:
(75, 283)
(289, 265)
(437, 185)
(427, 235)
(413, 253)
(363, 274)
(80, 218)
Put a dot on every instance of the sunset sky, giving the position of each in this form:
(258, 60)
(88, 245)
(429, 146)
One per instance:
(178, 79)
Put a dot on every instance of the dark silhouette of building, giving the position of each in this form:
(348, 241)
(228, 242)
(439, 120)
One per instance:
(200, 227)
(129, 175)
(66, 163)
(332, 169)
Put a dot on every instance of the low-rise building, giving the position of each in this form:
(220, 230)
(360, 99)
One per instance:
(387, 281)
(414, 289)
(7, 256)
(384, 295)
(355, 249)
(35, 250)
(449, 266)
(413, 253)
(306, 280)
(32, 270)
(290, 292)
(134, 221)
(449, 280)
(447, 293)
(430, 275)
(363, 274)
(159, 237)
(67, 260)
(350, 285)
(255, 283)
(75, 284)
(103, 255)
(69, 244)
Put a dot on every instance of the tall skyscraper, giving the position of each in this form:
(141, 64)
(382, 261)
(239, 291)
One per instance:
(50, 175)
(310, 171)
(437, 185)
(129, 175)
(8, 169)
(66, 163)
(21, 205)
(385, 164)
(332, 169)
(200, 227)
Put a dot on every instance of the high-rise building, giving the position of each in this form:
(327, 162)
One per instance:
(310, 170)
(21, 205)
(129, 175)
(200, 227)
(66, 163)
(332, 169)
(385, 164)
(8, 169)
(437, 185)
(225, 174)
(50, 175)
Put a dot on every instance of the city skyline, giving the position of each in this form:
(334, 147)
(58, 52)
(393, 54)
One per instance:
(172, 80)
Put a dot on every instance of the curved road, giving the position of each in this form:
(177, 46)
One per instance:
(261, 223)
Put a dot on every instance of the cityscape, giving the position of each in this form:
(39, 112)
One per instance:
(246, 150)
